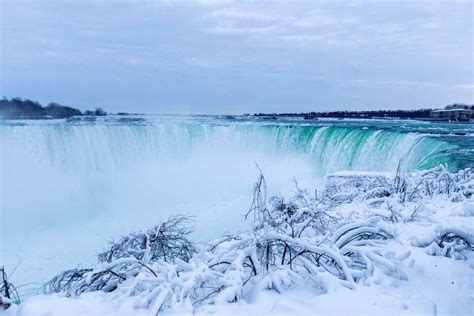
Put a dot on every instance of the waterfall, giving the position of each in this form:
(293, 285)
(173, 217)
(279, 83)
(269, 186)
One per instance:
(95, 148)
(67, 188)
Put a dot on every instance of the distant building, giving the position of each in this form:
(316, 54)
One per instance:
(459, 114)
(456, 106)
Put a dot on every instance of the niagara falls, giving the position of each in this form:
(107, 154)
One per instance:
(236, 158)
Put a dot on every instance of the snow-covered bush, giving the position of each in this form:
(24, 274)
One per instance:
(447, 242)
(400, 198)
(298, 241)
(166, 241)
(404, 186)
(451, 243)
(290, 241)
(64, 281)
(8, 292)
(401, 195)
(124, 258)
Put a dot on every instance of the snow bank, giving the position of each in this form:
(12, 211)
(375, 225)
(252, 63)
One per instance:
(384, 244)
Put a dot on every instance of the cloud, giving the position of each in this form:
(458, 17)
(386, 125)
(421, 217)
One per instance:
(250, 31)
(302, 52)
(244, 15)
(321, 18)
(201, 62)
(345, 25)
(212, 2)
(469, 87)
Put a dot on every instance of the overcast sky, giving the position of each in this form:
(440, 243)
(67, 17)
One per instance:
(233, 57)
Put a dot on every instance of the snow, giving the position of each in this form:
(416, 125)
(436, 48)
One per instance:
(436, 286)
(402, 274)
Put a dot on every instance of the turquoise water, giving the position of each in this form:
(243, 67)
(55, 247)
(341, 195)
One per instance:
(333, 145)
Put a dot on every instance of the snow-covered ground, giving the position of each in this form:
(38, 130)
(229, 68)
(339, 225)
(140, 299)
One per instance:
(435, 286)
(418, 257)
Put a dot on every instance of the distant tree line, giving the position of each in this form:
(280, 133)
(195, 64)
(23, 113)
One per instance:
(400, 114)
(18, 108)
